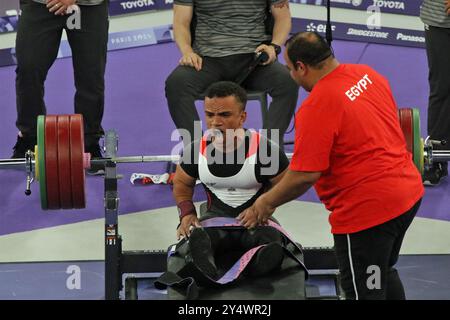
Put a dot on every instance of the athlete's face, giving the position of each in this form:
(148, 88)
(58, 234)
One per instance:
(224, 113)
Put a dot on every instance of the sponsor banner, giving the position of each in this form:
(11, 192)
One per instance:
(117, 7)
(8, 24)
(9, 11)
(117, 41)
(406, 7)
(362, 33)
(8, 15)
(161, 34)
(9, 8)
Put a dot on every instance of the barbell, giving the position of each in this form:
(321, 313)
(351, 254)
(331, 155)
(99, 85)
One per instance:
(59, 161)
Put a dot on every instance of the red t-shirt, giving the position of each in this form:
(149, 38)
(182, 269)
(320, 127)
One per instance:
(348, 129)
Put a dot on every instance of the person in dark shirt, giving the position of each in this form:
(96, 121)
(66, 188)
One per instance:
(40, 28)
(435, 14)
(217, 41)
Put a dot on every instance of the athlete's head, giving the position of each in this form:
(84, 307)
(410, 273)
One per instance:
(308, 57)
(225, 106)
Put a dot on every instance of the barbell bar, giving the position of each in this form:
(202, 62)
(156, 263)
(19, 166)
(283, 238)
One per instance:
(58, 161)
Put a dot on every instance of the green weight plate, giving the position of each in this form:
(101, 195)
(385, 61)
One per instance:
(41, 161)
(418, 152)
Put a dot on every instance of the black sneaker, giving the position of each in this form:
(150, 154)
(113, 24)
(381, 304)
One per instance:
(202, 253)
(22, 145)
(433, 176)
(266, 260)
(96, 169)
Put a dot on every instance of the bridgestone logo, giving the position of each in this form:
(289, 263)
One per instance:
(367, 33)
(404, 37)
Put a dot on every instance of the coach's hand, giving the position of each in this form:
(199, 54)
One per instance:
(191, 59)
(257, 214)
(59, 7)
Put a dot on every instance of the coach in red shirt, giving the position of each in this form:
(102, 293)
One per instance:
(350, 146)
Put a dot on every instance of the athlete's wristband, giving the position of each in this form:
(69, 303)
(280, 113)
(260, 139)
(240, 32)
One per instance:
(186, 208)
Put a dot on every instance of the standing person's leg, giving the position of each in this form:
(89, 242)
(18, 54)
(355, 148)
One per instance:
(37, 42)
(366, 259)
(183, 86)
(89, 50)
(438, 50)
(276, 80)
(363, 263)
(395, 290)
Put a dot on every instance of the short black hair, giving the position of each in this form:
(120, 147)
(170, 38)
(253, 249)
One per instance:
(309, 48)
(224, 89)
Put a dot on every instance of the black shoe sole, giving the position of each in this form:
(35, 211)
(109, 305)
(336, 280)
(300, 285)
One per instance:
(267, 259)
(201, 252)
(434, 176)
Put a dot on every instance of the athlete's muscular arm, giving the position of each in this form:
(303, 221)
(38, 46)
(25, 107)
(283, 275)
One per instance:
(183, 185)
(183, 190)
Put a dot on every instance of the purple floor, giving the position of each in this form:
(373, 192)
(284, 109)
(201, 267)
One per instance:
(136, 109)
(49, 281)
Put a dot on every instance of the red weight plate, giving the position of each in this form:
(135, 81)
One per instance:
(51, 162)
(77, 153)
(64, 164)
(405, 116)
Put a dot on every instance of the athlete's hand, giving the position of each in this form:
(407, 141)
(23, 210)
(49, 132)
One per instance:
(187, 224)
(447, 7)
(191, 59)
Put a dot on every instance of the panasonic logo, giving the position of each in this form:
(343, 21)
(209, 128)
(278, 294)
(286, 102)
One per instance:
(400, 5)
(137, 4)
(405, 37)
